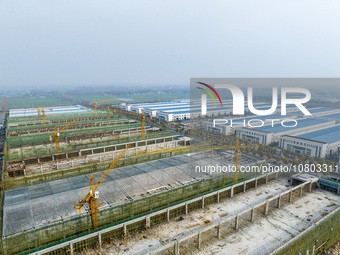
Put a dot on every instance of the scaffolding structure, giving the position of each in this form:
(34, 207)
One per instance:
(87, 166)
(19, 147)
(55, 117)
(145, 190)
(151, 186)
(35, 129)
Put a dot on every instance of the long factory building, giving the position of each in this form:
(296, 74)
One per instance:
(183, 110)
(227, 126)
(30, 112)
(315, 136)
(316, 143)
(299, 138)
(321, 117)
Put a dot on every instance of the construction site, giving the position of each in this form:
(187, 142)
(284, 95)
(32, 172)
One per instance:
(80, 180)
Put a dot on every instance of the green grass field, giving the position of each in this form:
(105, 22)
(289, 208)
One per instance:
(79, 99)
(156, 97)
(135, 97)
(35, 102)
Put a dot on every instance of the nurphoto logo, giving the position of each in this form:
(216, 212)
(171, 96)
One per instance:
(238, 99)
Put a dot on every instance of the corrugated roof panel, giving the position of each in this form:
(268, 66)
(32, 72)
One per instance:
(327, 135)
(332, 116)
(278, 128)
(315, 110)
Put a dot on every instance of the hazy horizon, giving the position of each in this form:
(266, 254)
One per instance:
(70, 44)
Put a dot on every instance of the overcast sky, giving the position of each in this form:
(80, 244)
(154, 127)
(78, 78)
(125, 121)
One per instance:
(82, 42)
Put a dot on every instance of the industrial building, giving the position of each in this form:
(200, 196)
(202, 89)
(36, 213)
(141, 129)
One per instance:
(315, 137)
(227, 126)
(318, 111)
(137, 108)
(226, 129)
(183, 110)
(314, 144)
(272, 134)
(223, 126)
(29, 112)
(287, 136)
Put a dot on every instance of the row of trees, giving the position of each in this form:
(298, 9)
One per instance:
(261, 150)
(289, 157)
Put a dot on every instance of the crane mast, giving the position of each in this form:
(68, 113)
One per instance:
(96, 102)
(43, 114)
(92, 196)
(57, 134)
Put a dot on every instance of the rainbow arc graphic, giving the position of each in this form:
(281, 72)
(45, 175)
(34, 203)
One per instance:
(209, 93)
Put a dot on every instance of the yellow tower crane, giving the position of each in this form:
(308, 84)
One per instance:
(201, 147)
(237, 157)
(92, 196)
(57, 133)
(108, 112)
(44, 115)
(96, 102)
(38, 112)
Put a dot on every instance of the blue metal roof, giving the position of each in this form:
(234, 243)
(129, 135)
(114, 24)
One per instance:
(290, 106)
(159, 104)
(261, 105)
(327, 135)
(300, 124)
(194, 107)
(186, 107)
(332, 116)
(275, 116)
(174, 109)
(315, 110)
(56, 110)
(171, 107)
(182, 112)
